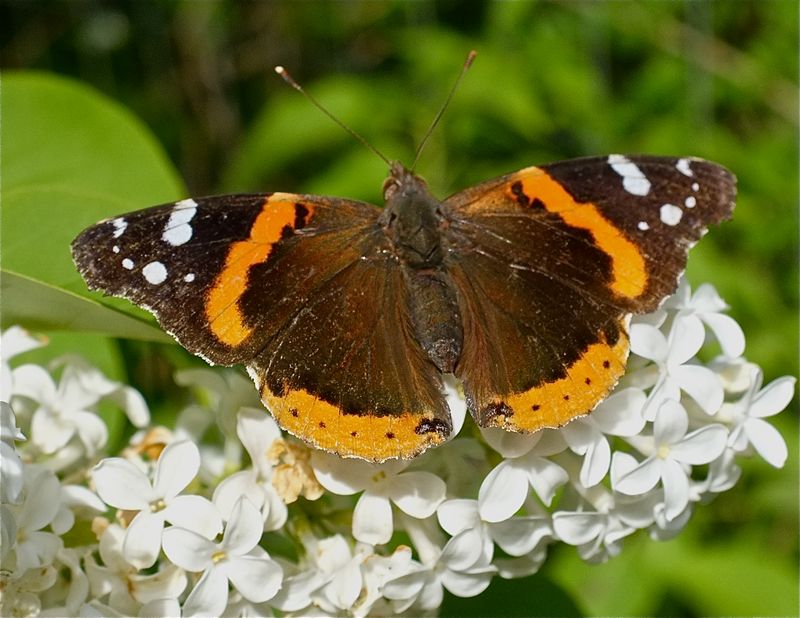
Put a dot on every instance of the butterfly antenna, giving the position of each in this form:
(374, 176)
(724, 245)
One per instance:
(467, 64)
(290, 80)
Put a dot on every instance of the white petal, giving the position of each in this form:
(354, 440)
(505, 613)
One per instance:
(502, 492)
(295, 593)
(273, 511)
(596, 462)
(456, 402)
(665, 388)
(91, 430)
(234, 487)
(417, 493)
(342, 476)
(579, 528)
(519, 535)
(345, 587)
(209, 597)
(330, 554)
(143, 539)
(468, 584)
(510, 444)
(671, 423)
(188, 549)
(676, 488)
(176, 467)
(42, 499)
(701, 446)
(257, 579)
(170, 581)
(244, 528)
(648, 342)
(641, 479)
(702, 385)
(34, 382)
(621, 413)
(457, 515)
(767, 441)
(728, 333)
(122, 485)
(685, 339)
(16, 340)
(404, 587)
(706, 299)
(257, 431)
(579, 434)
(160, 608)
(11, 474)
(461, 552)
(372, 519)
(545, 477)
(194, 513)
(50, 432)
(773, 398)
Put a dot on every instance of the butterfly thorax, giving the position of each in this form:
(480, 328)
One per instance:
(413, 222)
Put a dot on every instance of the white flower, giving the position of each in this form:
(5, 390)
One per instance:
(619, 415)
(75, 499)
(516, 536)
(72, 595)
(237, 558)
(340, 578)
(706, 305)
(603, 519)
(747, 417)
(62, 411)
(257, 431)
(125, 587)
(35, 547)
(20, 595)
(671, 450)
(383, 577)
(672, 354)
(124, 486)
(416, 492)
(505, 488)
(14, 341)
(10, 462)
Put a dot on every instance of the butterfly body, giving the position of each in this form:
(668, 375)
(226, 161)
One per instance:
(348, 315)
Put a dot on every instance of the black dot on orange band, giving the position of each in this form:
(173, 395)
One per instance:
(519, 194)
(566, 397)
(354, 433)
(538, 204)
(390, 435)
(588, 381)
(322, 425)
(294, 412)
(535, 407)
(606, 364)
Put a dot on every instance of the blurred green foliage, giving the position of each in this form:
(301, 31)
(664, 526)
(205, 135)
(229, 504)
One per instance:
(552, 80)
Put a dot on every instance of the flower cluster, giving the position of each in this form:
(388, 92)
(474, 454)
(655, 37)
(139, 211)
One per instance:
(223, 514)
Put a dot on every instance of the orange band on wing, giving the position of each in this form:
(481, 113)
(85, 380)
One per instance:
(368, 436)
(627, 262)
(222, 306)
(554, 404)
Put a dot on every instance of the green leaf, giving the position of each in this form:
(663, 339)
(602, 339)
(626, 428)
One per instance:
(70, 157)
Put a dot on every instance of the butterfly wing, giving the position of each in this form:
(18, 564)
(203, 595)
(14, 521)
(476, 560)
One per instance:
(301, 290)
(548, 263)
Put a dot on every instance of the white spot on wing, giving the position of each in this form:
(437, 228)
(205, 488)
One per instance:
(683, 167)
(671, 214)
(643, 225)
(155, 273)
(127, 264)
(633, 180)
(177, 231)
(695, 186)
(189, 278)
(119, 226)
(115, 248)
(690, 202)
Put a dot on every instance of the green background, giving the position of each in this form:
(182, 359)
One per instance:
(169, 99)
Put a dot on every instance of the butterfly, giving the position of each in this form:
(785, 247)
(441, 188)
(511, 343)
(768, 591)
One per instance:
(347, 316)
